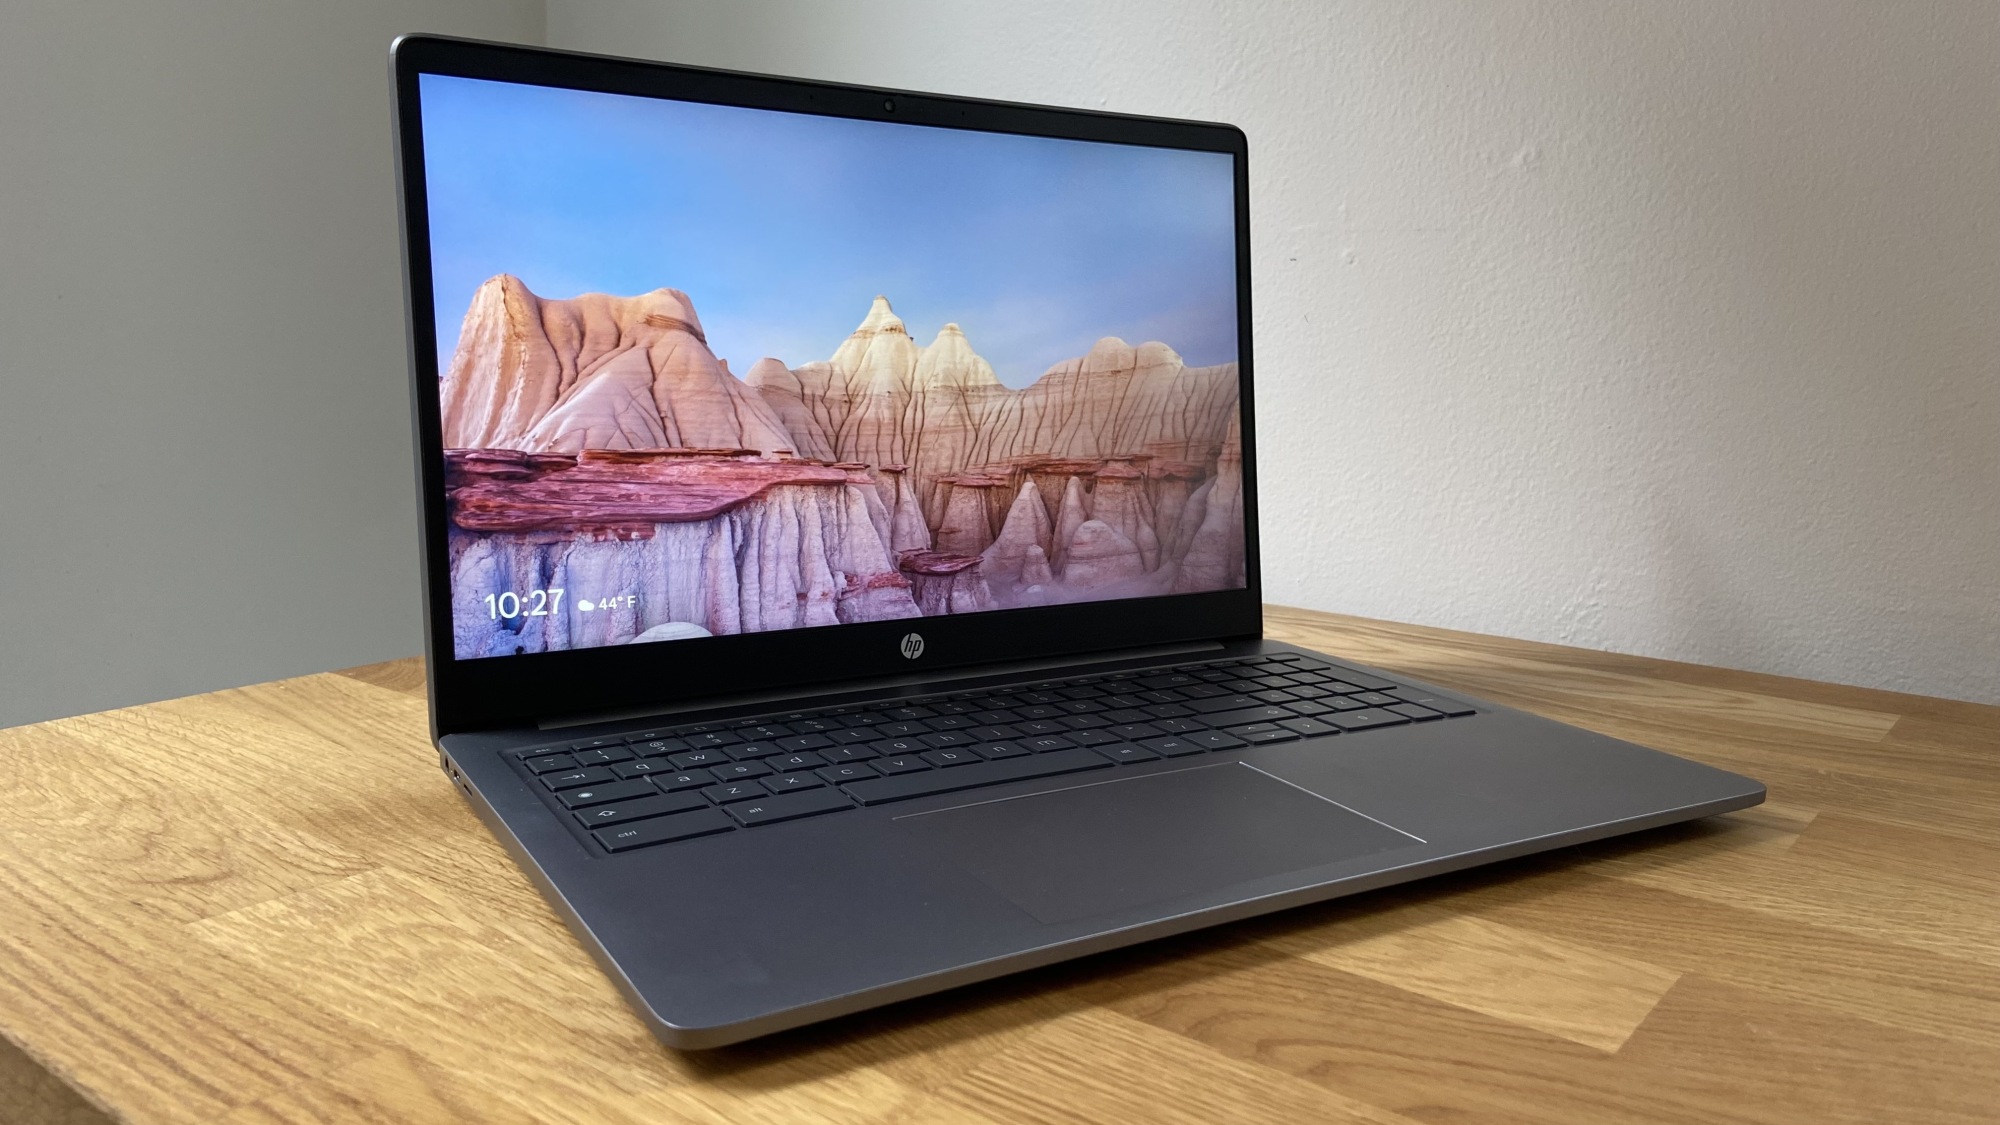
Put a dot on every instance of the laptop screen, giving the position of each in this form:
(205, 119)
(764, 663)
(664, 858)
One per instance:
(709, 370)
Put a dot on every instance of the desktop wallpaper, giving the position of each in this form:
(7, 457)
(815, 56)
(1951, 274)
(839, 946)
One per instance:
(711, 370)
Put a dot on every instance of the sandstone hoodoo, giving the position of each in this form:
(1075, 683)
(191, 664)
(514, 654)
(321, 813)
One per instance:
(598, 441)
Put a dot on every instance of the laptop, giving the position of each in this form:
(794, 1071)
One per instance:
(840, 523)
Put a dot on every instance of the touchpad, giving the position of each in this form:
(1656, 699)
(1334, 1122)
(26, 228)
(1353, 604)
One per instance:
(1113, 844)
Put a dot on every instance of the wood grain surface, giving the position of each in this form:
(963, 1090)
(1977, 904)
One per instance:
(267, 906)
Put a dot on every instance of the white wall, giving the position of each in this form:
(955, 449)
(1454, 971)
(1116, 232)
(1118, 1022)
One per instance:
(204, 425)
(1660, 328)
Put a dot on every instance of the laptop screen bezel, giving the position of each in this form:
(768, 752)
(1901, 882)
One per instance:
(508, 691)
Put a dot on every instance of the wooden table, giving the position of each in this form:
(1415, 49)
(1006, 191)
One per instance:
(266, 905)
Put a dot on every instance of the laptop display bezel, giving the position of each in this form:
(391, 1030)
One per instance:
(507, 691)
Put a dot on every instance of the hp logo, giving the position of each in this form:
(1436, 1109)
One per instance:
(913, 645)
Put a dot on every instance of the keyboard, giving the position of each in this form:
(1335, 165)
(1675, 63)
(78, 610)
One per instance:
(660, 785)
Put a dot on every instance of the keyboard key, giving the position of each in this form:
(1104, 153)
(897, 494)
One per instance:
(840, 754)
(1221, 703)
(1363, 681)
(1171, 746)
(891, 747)
(1082, 722)
(1414, 712)
(1311, 728)
(764, 732)
(573, 778)
(950, 722)
(1213, 740)
(698, 759)
(799, 742)
(547, 763)
(842, 774)
(630, 770)
(740, 771)
(658, 747)
(1249, 715)
(1265, 732)
(1182, 726)
(1046, 743)
(815, 726)
(1041, 726)
(997, 732)
(660, 830)
(605, 756)
(734, 791)
(1377, 699)
(998, 750)
(658, 804)
(904, 714)
(789, 806)
(712, 738)
(1133, 732)
(751, 751)
(901, 763)
(793, 763)
(946, 738)
(1124, 752)
(606, 793)
(1366, 719)
(788, 782)
(883, 789)
(956, 756)
(1444, 705)
(596, 743)
(686, 779)
(852, 735)
(1092, 737)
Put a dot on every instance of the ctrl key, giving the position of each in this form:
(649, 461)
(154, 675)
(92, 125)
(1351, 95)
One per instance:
(659, 830)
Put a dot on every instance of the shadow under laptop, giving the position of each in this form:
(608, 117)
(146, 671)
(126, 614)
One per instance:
(940, 1036)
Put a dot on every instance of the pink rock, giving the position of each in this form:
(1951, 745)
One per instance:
(1119, 500)
(1099, 554)
(882, 399)
(907, 529)
(966, 528)
(1027, 526)
(1074, 512)
(520, 358)
(1214, 558)
(945, 583)
(1035, 568)
(793, 555)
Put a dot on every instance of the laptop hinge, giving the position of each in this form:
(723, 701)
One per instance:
(939, 680)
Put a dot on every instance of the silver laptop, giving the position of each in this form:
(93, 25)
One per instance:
(840, 537)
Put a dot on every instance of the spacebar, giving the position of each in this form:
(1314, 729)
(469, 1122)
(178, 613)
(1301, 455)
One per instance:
(876, 790)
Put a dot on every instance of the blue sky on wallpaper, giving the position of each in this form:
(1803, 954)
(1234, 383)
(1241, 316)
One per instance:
(782, 227)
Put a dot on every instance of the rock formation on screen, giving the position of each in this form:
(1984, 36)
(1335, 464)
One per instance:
(597, 444)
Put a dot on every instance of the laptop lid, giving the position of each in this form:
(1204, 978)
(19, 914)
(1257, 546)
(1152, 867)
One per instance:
(726, 383)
